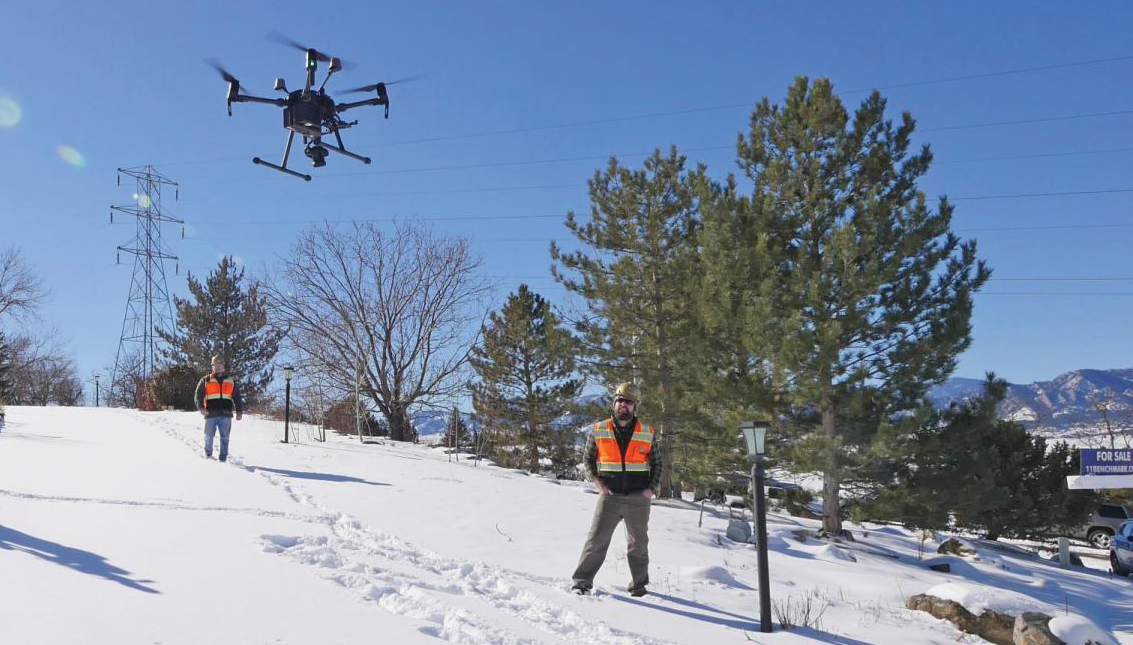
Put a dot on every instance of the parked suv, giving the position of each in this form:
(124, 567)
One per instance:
(1121, 550)
(1100, 528)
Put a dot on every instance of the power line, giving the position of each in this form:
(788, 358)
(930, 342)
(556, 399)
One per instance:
(712, 108)
(1037, 155)
(1061, 279)
(728, 106)
(1050, 194)
(972, 126)
(1054, 293)
(1025, 70)
(546, 186)
(1044, 228)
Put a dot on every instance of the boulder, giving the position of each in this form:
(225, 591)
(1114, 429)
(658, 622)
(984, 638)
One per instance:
(952, 546)
(800, 534)
(1075, 559)
(991, 626)
(1032, 628)
(739, 530)
(942, 567)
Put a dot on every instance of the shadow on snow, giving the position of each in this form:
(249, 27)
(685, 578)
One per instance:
(70, 557)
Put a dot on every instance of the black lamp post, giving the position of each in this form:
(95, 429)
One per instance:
(755, 432)
(96, 390)
(287, 401)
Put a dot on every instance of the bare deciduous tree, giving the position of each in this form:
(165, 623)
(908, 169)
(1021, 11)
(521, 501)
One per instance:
(21, 290)
(398, 310)
(1116, 421)
(42, 373)
(128, 386)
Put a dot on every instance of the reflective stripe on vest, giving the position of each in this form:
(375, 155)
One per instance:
(610, 455)
(221, 389)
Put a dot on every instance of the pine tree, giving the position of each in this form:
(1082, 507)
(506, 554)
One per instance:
(458, 436)
(638, 277)
(968, 469)
(526, 369)
(224, 318)
(849, 295)
(7, 388)
(175, 386)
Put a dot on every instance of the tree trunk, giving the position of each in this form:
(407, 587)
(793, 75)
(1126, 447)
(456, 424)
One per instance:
(400, 429)
(666, 389)
(831, 511)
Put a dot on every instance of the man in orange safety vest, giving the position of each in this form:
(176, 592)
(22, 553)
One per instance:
(217, 398)
(626, 469)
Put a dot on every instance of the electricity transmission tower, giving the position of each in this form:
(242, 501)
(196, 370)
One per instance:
(148, 307)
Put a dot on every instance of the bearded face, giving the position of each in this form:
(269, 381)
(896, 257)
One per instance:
(623, 410)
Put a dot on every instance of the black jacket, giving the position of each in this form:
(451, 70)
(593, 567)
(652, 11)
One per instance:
(220, 407)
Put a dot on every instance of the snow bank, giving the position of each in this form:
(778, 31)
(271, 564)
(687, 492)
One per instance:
(711, 574)
(978, 599)
(835, 553)
(1078, 630)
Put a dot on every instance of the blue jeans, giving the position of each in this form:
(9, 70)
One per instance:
(212, 424)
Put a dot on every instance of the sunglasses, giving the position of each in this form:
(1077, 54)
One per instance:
(621, 400)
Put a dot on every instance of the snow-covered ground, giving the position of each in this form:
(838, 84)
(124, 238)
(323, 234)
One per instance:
(114, 529)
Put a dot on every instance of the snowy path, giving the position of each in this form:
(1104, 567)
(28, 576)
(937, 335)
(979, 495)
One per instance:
(461, 601)
(117, 530)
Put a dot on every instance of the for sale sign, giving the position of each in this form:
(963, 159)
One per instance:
(1099, 461)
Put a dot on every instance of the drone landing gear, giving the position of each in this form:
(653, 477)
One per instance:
(341, 149)
(283, 168)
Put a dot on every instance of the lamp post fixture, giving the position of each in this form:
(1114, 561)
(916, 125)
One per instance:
(96, 393)
(755, 432)
(287, 371)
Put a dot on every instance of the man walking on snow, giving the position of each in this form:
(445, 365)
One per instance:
(217, 398)
(626, 470)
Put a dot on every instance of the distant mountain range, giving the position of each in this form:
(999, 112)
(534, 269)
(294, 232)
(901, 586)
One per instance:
(433, 422)
(1065, 405)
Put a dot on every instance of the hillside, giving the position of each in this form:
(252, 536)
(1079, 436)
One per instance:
(114, 529)
(1066, 405)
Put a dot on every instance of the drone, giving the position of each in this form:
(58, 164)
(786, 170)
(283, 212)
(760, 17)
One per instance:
(310, 113)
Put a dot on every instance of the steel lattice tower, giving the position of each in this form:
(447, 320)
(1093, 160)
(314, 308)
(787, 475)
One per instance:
(148, 307)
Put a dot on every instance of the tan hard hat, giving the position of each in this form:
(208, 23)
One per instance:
(629, 391)
(217, 359)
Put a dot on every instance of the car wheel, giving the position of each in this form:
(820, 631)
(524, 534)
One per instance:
(1116, 567)
(1099, 538)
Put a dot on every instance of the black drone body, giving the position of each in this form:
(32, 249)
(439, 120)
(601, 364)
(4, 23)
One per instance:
(311, 113)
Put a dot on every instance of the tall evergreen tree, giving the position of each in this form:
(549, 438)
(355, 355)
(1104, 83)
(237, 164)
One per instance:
(637, 273)
(965, 468)
(7, 388)
(525, 364)
(835, 272)
(458, 436)
(224, 318)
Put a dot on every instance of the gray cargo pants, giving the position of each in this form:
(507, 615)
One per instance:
(611, 509)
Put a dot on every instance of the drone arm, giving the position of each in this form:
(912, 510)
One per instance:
(239, 98)
(342, 107)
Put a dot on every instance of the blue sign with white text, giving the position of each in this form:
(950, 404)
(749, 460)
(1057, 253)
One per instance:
(1103, 461)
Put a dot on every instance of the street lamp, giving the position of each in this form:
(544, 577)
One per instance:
(755, 432)
(287, 371)
(96, 390)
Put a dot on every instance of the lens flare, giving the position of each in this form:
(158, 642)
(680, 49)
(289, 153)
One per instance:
(10, 112)
(71, 156)
(144, 201)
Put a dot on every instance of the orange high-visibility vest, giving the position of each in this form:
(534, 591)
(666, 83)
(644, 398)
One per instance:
(218, 389)
(610, 455)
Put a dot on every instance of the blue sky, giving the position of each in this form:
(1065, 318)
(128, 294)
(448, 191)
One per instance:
(124, 84)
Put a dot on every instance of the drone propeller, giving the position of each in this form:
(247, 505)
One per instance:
(225, 74)
(371, 88)
(275, 36)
